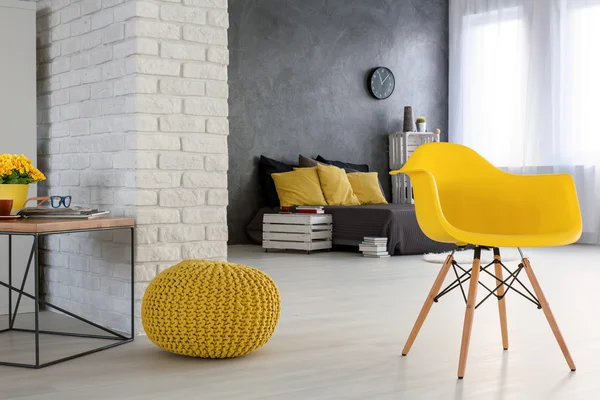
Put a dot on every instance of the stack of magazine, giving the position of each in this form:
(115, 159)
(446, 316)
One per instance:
(373, 246)
(71, 213)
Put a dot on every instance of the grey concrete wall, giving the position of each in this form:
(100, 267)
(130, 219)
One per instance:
(298, 76)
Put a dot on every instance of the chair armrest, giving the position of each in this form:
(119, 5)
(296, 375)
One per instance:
(552, 189)
(553, 196)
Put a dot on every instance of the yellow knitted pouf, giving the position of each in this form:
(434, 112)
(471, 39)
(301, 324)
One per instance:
(211, 309)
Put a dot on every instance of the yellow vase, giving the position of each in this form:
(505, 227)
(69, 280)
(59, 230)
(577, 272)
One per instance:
(18, 194)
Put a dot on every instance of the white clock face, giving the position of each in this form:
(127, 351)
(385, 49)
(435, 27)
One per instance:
(382, 83)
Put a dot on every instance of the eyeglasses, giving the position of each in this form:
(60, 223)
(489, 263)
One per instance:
(55, 201)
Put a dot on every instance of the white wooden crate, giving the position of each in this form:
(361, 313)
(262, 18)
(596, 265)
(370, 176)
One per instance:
(402, 145)
(306, 232)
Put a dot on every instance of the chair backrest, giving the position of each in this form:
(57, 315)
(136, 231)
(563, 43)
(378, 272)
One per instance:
(449, 162)
(452, 178)
(454, 183)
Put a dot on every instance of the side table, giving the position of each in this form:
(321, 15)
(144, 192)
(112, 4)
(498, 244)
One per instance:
(306, 232)
(38, 228)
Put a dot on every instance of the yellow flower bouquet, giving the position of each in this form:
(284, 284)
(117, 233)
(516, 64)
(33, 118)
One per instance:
(16, 173)
(18, 170)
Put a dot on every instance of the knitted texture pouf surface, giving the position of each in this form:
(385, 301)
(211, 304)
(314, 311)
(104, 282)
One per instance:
(211, 309)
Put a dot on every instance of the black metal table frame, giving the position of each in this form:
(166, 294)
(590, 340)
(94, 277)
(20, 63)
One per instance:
(116, 337)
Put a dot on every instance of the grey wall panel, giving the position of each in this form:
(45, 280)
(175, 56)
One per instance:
(298, 83)
(17, 122)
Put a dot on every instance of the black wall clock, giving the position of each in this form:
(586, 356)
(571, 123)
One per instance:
(381, 83)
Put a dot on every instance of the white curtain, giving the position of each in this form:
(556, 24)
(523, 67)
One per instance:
(525, 89)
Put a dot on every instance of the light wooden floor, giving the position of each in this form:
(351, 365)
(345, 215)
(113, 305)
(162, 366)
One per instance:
(344, 322)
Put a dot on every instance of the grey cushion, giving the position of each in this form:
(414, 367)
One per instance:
(306, 162)
(344, 165)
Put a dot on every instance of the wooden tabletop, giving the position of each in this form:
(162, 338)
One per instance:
(46, 225)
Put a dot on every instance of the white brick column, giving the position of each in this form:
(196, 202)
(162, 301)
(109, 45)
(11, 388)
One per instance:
(132, 110)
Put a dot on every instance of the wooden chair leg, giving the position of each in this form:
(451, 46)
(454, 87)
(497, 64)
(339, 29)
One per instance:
(435, 289)
(502, 301)
(548, 313)
(469, 314)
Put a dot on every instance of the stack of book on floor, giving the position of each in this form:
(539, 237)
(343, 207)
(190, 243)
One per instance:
(302, 210)
(71, 213)
(374, 246)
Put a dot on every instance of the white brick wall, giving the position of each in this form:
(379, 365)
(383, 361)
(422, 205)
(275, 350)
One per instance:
(132, 113)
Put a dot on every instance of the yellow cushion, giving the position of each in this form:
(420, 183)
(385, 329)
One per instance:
(300, 187)
(336, 187)
(366, 187)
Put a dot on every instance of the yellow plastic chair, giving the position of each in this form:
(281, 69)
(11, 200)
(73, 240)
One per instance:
(461, 198)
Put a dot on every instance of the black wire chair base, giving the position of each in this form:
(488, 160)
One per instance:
(508, 283)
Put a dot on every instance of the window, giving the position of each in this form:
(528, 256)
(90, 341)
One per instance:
(580, 86)
(493, 85)
(525, 89)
